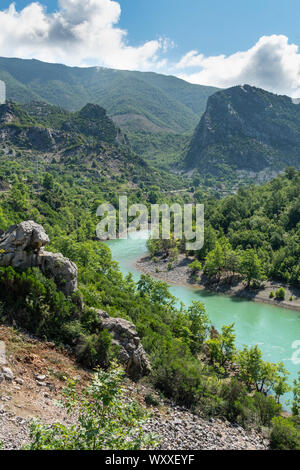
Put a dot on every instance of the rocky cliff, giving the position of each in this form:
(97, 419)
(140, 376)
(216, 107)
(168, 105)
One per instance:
(246, 128)
(23, 246)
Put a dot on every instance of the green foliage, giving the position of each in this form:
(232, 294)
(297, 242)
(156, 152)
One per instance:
(285, 434)
(296, 396)
(280, 294)
(104, 419)
(151, 400)
(222, 347)
(195, 267)
(264, 376)
(214, 262)
(251, 266)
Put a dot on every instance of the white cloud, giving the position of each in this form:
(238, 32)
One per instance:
(79, 33)
(272, 64)
(86, 32)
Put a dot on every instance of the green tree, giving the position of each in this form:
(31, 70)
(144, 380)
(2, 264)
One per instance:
(48, 181)
(195, 267)
(222, 347)
(199, 325)
(214, 262)
(285, 435)
(264, 376)
(251, 266)
(296, 396)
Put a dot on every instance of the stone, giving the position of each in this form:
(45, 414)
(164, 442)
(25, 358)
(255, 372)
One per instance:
(3, 361)
(131, 352)
(40, 378)
(23, 246)
(19, 381)
(7, 373)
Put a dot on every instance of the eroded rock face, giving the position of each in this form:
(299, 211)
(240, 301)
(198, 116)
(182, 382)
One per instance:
(22, 246)
(132, 354)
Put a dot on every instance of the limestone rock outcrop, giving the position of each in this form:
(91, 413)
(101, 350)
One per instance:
(22, 246)
(131, 352)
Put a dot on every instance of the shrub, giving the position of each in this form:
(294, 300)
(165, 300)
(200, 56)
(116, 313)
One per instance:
(195, 267)
(94, 349)
(151, 400)
(272, 295)
(280, 294)
(285, 434)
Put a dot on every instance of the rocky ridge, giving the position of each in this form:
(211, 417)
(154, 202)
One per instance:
(246, 128)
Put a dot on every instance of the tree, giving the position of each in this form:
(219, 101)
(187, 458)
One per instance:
(231, 261)
(284, 434)
(195, 267)
(214, 262)
(296, 398)
(104, 420)
(156, 291)
(264, 376)
(251, 266)
(222, 347)
(199, 325)
(48, 181)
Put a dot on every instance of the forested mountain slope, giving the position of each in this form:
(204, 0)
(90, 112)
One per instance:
(137, 100)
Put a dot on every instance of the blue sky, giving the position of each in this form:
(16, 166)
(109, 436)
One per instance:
(217, 42)
(211, 26)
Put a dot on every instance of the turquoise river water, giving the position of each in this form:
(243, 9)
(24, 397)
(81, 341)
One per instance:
(275, 330)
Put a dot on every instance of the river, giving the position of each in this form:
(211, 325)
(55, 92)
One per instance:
(275, 330)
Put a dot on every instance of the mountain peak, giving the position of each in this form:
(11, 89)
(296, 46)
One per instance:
(246, 128)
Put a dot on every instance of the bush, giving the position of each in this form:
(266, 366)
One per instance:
(272, 295)
(285, 434)
(94, 349)
(280, 294)
(151, 400)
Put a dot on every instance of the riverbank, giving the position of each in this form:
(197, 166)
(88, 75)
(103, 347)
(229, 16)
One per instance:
(180, 274)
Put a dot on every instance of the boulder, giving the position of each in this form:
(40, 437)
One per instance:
(131, 352)
(7, 373)
(22, 246)
(3, 361)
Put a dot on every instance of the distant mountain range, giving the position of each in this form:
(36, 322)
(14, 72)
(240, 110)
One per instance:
(246, 128)
(137, 101)
(241, 128)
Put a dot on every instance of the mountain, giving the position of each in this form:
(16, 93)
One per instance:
(85, 143)
(246, 128)
(136, 100)
(45, 127)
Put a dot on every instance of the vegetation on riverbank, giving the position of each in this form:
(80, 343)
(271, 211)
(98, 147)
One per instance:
(255, 233)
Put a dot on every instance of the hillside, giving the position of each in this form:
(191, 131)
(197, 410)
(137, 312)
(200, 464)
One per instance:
(153, 110)
(246, 128)
(136, 100)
